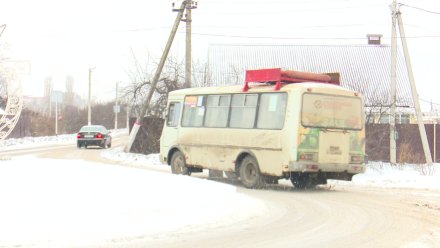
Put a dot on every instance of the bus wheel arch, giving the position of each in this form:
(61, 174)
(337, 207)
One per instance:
(170, 154)
(250, 174)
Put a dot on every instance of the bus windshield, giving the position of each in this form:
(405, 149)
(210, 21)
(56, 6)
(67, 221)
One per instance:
(330, 111)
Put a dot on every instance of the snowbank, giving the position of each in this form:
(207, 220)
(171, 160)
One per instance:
(54, 203)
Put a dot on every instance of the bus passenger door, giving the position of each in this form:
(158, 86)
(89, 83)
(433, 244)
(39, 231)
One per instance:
(170, 131)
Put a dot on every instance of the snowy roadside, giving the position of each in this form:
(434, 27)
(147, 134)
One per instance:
(26, 142)
(378, 174)
(48, 203)
(58, 203)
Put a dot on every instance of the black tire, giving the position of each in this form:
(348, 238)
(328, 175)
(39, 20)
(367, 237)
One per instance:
(78, 145)
(250, 174)
(299, 180)
(178, 164)
(109, 144)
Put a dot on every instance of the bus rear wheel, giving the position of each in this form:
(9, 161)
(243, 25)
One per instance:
(250, 173)
(299, 180)
(178, 164)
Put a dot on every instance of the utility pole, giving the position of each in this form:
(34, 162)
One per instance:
(56, 117)
(3, 27)
(146, 104)
(393, 146)
(415, 95)
(188, 57)
(397, 21)
(89, 112)
(116, 107)
(127, 124)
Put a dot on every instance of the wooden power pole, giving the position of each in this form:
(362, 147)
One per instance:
(146, 104)
(398, 18)
(188, 58)
(393, 146)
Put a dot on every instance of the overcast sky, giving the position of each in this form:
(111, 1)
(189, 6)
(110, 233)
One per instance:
(61, 38)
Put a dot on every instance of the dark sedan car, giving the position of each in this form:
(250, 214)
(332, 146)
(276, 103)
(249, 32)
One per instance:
(94, 135)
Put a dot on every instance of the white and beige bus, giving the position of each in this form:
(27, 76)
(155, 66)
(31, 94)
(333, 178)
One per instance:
(307, 132)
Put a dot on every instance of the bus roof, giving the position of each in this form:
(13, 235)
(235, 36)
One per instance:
(260, 88)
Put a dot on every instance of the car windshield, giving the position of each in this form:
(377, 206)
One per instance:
(93, 129)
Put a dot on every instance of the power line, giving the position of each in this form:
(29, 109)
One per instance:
(272, 27)
(304, 38)
(429, 101)
(275, 2)
(290, 11)
(425, 10)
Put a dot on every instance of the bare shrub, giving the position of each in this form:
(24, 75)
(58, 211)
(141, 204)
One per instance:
(426, 169)
(406, 153)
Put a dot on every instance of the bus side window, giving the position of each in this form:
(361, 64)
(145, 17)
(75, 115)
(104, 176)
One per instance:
(272, 110)
(243, 110)
(217, 110)
(173, 114)
(193, 111)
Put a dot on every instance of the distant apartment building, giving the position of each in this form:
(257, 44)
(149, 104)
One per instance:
(46, 105)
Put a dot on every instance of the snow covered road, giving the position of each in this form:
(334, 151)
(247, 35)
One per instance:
(69, 197)
(70, 203)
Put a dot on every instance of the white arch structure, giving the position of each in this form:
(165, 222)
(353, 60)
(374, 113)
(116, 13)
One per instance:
(14, 105)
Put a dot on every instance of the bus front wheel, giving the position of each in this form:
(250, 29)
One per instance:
(178, 164)
(250, 173)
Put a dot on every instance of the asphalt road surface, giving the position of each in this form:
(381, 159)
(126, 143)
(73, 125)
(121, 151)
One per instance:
(341, 216)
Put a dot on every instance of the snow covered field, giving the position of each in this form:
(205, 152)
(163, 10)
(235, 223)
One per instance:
(53, 203)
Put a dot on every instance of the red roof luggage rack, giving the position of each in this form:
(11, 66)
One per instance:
(277, 76)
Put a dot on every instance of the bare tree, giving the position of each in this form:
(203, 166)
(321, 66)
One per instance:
(172, 79)
(201, 75)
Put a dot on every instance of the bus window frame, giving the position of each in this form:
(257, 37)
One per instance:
(176, 117)
(285, 110)
(202, 105)
(254, 126)
(257, 110)
(228, 107)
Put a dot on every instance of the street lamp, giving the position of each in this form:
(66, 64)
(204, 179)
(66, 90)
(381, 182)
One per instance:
(89, 112)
